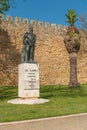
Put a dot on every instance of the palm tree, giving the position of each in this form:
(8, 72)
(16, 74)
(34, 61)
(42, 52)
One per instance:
(72, 43)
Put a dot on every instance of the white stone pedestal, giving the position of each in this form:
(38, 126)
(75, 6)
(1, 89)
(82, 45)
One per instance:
(28, 85)
(28, 80)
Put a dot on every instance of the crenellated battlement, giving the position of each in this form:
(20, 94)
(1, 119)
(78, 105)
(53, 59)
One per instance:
(50, 51)
(26, 21)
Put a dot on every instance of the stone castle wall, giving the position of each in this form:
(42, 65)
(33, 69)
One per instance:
(50, 52)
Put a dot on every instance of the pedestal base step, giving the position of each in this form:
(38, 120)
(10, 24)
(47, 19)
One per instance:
(28, 101)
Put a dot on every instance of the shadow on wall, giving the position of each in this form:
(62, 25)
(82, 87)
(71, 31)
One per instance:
(9, 59)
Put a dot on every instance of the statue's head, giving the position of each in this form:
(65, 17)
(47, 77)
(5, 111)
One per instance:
(31, 28)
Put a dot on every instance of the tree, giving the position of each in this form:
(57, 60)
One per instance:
(72, 44)
(4, 6)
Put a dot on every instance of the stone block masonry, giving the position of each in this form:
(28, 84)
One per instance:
(50, 52)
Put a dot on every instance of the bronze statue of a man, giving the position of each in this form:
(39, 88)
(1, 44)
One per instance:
(29, 40)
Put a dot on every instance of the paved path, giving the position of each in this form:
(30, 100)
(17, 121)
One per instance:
(72, 122)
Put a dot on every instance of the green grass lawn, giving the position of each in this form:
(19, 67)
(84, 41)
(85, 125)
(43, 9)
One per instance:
(63, 101)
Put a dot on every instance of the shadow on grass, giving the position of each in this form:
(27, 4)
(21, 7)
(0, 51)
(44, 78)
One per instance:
(63, 91)
(8, 92)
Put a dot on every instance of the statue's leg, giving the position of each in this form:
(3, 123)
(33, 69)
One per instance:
(26, 57)
(28, 53)
(32, 53)
(23, 56)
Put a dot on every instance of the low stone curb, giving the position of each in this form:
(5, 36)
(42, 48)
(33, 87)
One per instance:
(43, 119)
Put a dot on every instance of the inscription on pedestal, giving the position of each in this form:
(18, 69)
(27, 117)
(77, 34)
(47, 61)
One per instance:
(30, 74)
(31, 77)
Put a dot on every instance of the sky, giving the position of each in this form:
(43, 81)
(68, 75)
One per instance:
(52, 11)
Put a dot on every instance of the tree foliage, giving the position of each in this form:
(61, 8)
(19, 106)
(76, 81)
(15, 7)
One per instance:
(71, 17)
(4, 6)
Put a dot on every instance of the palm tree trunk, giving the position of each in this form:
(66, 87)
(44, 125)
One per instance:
(73, 70)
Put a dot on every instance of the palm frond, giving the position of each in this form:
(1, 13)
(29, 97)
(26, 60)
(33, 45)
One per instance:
(71, 17)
